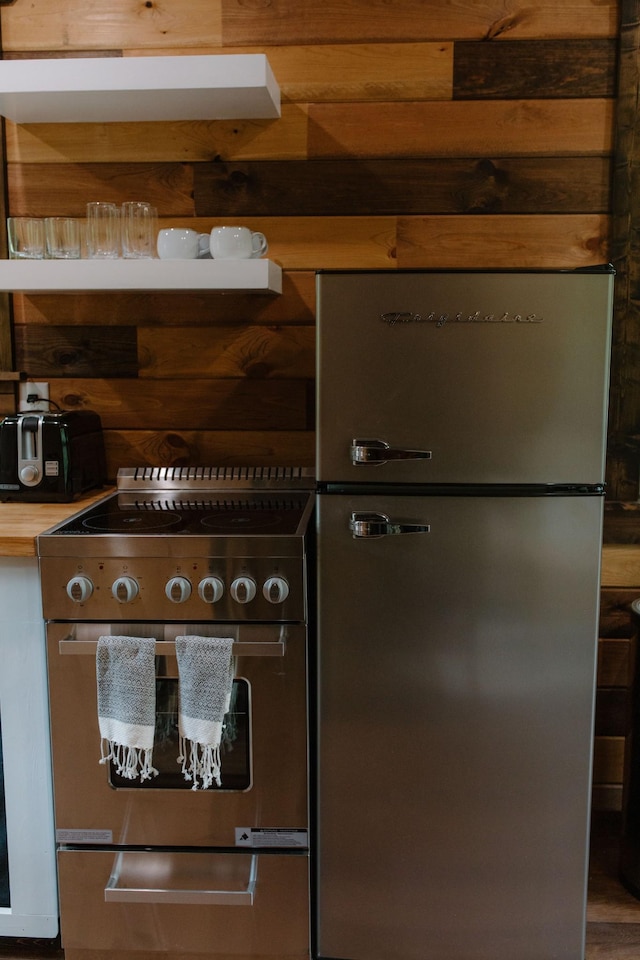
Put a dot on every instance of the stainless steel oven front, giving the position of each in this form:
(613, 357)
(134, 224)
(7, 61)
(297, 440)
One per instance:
(263, 759)
(155, 865)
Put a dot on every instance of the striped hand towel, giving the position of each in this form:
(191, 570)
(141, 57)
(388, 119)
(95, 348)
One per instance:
(205, 671)
(125, 671)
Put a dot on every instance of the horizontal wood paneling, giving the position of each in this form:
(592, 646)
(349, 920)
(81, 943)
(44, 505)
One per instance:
(88, 351)
(255, 352)
(162, 141)
(568, 68)
(353, 71)
(500, 128)
(624, 410)
(617, 620)
(92, 24)
(608, 760)
(66, 188)
(205, 404)
(222, 448)
(621, 565)
(504, 128)
(289, 21)
(320, 188)
(412, 186)
(614, 663)
(223, 351)
(612, 712)
(606, 797)
(360, 71)
(621, 522)
(515, 241)
(89, 24)
(615, 688)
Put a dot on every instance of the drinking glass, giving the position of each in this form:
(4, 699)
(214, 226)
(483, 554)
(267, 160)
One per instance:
(62, 236)
(103, 231)
(26, 238)
(139, 230)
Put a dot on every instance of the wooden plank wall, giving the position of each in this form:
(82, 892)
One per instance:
(623, 450)
(618, 663)
(417, 134)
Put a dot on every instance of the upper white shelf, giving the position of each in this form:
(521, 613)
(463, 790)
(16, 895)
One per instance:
(75, 276)
(103, 90)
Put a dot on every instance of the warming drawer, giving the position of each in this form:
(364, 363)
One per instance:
(143, 903)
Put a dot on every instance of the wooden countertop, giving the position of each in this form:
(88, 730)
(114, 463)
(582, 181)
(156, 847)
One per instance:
(20, 523)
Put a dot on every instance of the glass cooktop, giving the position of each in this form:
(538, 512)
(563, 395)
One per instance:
(249, 514)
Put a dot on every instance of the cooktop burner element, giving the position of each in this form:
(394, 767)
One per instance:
(186, 543)
(113, 522)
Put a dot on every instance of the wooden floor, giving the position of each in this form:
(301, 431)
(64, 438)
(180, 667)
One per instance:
(613, 915)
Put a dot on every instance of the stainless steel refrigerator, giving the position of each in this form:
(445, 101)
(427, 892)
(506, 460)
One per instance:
(461, 446)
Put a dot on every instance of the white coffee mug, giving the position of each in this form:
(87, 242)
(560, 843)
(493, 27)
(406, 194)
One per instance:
(182, 243)
(237, 243)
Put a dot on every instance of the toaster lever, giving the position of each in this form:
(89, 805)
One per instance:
(30, 450)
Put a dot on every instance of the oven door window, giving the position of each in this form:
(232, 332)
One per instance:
(235, 747)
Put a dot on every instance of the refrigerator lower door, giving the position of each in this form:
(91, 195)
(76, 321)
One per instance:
(456, 688)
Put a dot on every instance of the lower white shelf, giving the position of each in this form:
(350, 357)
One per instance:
(73, 276)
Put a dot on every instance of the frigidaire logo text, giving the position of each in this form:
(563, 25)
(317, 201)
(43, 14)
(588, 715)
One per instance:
(394, 318)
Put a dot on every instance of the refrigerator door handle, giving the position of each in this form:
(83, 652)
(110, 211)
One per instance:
(377, 451)
(371, 525)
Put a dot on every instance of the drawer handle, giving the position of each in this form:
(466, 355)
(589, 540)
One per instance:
(113, 893)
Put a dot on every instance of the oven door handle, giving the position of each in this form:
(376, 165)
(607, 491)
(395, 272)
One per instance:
(168, 648)
(113, 893)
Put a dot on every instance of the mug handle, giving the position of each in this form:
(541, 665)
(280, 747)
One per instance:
(259, 245)
(203, 245)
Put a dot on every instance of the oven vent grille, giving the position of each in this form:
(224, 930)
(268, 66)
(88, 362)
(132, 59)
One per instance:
(214, 478)
(220, 506)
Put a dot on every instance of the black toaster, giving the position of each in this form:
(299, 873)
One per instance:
(51, 456)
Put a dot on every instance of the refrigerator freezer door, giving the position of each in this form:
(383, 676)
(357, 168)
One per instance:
(463, 377)
(456, 686)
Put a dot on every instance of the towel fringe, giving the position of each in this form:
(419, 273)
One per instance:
(200, 763)
(130, 762)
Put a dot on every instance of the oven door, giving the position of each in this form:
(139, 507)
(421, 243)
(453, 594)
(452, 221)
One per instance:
(264, 759)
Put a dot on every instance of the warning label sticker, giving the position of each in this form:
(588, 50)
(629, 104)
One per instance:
(275, 837)
(84, 836)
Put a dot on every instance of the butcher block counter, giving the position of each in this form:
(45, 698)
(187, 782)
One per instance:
(20, 523)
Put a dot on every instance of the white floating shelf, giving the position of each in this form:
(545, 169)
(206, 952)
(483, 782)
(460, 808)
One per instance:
(103, 90)
(74, 276)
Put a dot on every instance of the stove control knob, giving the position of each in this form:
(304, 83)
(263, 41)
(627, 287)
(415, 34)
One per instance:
(243, 589)
(125, 589)
(178, 589)
(79, 589)
(211, 589)
(275, 589)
